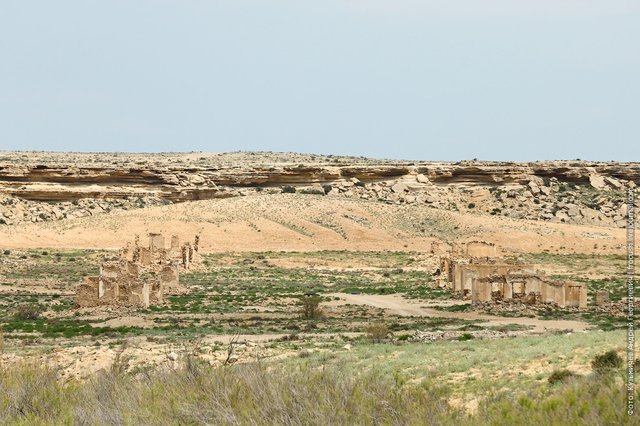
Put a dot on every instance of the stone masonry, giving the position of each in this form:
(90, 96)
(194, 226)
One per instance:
(141, 276)
(476, 272)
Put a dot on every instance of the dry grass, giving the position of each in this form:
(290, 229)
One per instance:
(198, 394)
(195, 393)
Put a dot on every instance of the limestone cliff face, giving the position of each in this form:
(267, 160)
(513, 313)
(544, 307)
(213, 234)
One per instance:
(51, 186)
(69, 182)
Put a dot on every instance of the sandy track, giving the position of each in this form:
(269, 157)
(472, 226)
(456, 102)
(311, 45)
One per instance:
(396, 305)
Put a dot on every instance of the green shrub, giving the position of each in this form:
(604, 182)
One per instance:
(27, 312)
(31, 392)
(311, 307)
(193, 392)
(377, 332)
(466, 336)
(560, 376)
(606, 362)
(200, 394)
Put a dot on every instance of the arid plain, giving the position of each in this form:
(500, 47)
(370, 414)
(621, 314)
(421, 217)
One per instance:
(308, 261)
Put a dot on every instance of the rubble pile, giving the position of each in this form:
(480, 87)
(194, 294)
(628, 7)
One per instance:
(14, 210)
(434, 336)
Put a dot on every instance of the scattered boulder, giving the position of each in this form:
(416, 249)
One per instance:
(399, 187)
(613, 182)
(420, 178)
(534, 188)
(573, 210)
(598, 182)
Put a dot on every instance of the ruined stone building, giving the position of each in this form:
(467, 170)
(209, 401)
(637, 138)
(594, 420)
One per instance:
(530, 288)
(141, 276)
(477, 273)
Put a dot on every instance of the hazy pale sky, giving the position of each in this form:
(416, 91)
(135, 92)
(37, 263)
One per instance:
(429, 80)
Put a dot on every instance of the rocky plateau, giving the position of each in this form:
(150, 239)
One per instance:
(42, 186)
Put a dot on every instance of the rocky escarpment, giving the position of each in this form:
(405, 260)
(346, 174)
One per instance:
(45, 187)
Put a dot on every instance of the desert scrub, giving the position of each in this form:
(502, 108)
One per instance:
(377, 332)
(63, 327)
(32, 394)
(465, 336)
(606, 362)
(196, 393)
(27, 311)
(311, 307)
(560, 376)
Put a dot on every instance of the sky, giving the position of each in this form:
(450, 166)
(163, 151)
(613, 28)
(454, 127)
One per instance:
(405, 79)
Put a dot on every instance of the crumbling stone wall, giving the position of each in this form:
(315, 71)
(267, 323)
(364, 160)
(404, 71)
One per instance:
(481, 249)
(169, 276)
(575, 294)
(533, 289)
(481, 291)
(86, 292)
(175, 246)
(484, 278)
(121, 282)
(602, 298)
(156, 242)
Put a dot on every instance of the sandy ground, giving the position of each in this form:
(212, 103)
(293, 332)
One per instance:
(292, 222)
(397, 305)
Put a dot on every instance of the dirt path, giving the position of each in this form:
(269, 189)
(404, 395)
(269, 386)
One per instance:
(397, 305)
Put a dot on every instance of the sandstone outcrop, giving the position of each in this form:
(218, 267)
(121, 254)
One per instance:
(42, 186)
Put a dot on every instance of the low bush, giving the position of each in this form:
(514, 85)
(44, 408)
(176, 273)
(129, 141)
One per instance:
(606, 362)
(560, 376)
(27, 311)
(377, 332)
(193, 392)
(311, 307)
(466, 336)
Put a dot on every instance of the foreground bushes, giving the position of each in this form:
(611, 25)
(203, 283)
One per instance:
(199, 394)
(606, 362)
(27, 311)
(257, 394)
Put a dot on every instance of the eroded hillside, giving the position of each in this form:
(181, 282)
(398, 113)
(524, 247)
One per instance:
(40, 186)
